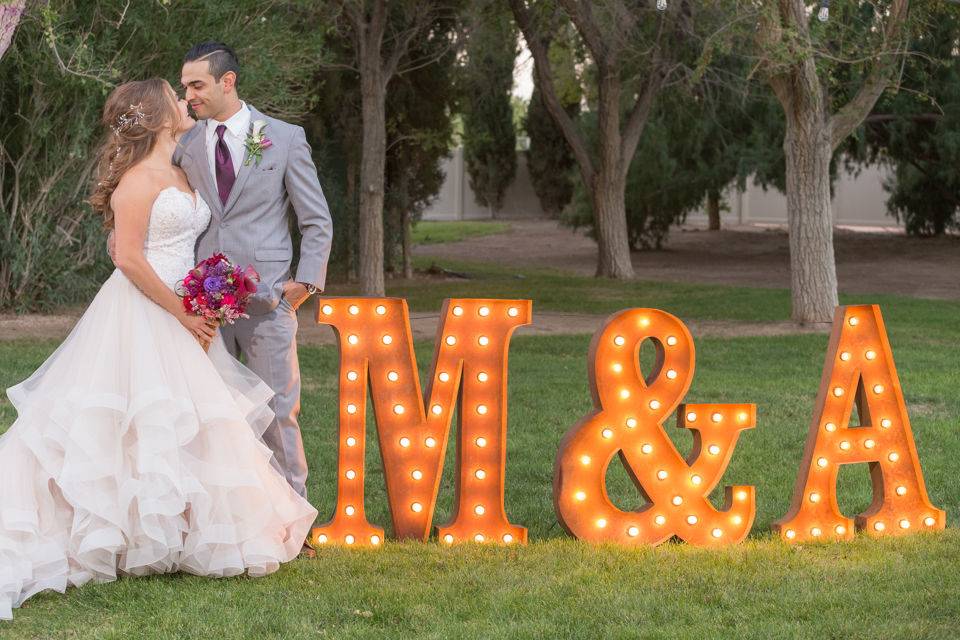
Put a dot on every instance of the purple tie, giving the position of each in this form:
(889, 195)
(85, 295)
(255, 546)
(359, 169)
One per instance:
(224, 166)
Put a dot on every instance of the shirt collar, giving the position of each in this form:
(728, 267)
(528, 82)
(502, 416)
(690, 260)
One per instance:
(237, 124)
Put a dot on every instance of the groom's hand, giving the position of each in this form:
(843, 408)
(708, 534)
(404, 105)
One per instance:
(296, 293)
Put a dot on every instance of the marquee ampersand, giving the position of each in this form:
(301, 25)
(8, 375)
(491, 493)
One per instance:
(859, 370)
(469, 365)
(629, 411)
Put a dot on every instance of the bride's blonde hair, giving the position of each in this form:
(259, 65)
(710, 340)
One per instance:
(136, 114)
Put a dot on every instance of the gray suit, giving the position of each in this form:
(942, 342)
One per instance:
(253, 228)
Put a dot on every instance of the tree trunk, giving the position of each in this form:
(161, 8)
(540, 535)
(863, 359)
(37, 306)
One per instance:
(713, 209)
(372, 165)
(610, 213)
(813, 269)
(10, 14)
(351, 201)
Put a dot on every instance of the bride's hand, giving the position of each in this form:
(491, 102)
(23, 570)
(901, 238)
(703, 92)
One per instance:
(204, 330)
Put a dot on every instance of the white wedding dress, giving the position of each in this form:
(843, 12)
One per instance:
(135, 452)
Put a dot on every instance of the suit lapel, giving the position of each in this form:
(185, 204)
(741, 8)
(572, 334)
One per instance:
(197, 148)
(245, 167)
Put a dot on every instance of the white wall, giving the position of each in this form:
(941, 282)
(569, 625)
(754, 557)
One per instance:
(859, 200)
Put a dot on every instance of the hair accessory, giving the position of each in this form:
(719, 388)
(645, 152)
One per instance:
(131, 117)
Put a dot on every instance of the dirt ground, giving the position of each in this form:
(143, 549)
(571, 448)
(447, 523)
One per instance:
(749, 256)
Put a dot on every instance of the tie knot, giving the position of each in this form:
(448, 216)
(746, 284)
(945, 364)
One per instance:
(220, 129)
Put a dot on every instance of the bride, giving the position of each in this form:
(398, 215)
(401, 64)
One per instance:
(135, 451)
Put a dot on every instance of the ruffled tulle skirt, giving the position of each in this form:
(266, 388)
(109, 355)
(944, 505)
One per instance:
(135, 452)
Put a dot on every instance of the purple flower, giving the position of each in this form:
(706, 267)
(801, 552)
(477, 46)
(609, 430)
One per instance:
(213, 283)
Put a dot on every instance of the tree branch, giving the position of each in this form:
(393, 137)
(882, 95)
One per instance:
(849, 117)
(548, 92)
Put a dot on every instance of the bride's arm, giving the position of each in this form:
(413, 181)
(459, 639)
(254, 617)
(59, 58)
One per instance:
(131, 208)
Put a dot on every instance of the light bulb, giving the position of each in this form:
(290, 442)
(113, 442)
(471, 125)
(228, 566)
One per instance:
(879, 526)
(830, 427)
(381, 309)
(662, 475)
(349, 510)
(607, 433)
(437, 409)
(354, 309)
(716, 533)
(601, 523)
(478, 537)
(901, 491)
(845, 355)
(821, 462)
(671, 340)
(691, 417)
(398, 409)
(671, 374)
(451, 340)
(624, 394)
(507, 538)
(713, 450)
(416, 474)
(619, 341)
(393, 376)
(660, 520)
(585, 460)
(696, 479)
(351, 474)
(840, 529)
(791, 534)
(631, 423)
(677, 501)
(633, 532)
(483, 340)
(815, 532)
(387, 339)
(327, 309)
(479, 510)
(904, 524)
(351, 441)
(448, 539)
(869, 444)
(838, 391)
(646, 448)
(691, 519)
(416, 507)
(374, 540)
(871, 354)
(352, 339)
(444, 376)
(351, 408)
(482, 409)
(481, 442)
(484, 311)
(352, 376)
(885, 423)
(349, 539)
(458, 311)
(322, 538)
(741, 495)
(482, 376)
(580, 496)
(480, 474)
(513, 312)
(404, 442)
(430, 442)
(654, 404)
(814, 497)
(929, 521)
(716, 417)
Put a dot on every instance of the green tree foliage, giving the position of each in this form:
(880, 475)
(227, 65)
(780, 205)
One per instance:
(917, 130)
(550, 162)
(489, 137)
(65, 58)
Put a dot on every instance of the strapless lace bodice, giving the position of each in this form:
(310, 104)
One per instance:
(175, 223)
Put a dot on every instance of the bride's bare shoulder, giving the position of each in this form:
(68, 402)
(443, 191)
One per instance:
(136, 190)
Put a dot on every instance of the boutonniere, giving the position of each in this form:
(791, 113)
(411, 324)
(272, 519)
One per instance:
(256, 142)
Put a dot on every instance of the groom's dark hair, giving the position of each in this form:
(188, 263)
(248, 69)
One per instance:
(220, 56)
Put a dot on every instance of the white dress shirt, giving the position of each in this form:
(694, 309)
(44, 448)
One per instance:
(238, 125)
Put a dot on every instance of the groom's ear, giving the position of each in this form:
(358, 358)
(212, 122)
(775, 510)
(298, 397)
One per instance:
(229, 80)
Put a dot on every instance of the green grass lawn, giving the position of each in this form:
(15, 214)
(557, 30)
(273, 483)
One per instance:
(435, 232)
(559, 588)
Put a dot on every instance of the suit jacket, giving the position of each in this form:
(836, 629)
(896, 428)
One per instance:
(253, 226)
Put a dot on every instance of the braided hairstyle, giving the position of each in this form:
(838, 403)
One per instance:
(136, 114)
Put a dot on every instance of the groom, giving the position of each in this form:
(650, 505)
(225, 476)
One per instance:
(249, 197)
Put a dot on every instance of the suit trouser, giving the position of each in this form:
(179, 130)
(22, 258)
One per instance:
(269, 345)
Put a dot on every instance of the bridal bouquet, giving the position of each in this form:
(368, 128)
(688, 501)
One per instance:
(218, 290)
